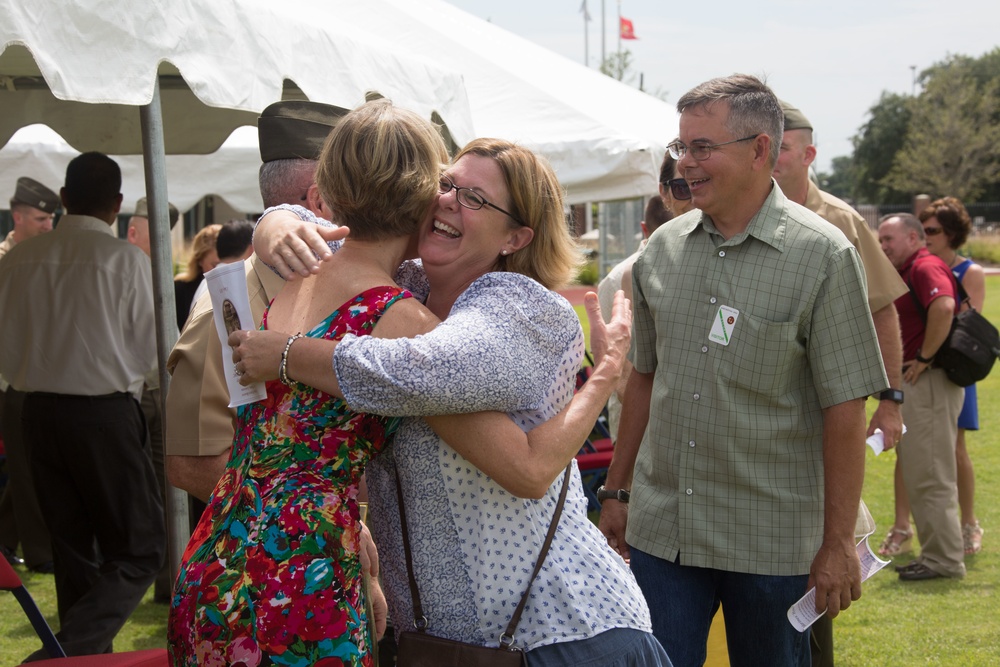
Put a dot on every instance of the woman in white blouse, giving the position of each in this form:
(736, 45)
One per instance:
(494, 248)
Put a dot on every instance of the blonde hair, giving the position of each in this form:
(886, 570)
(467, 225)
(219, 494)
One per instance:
(536, 198)
(203, 243)
(379, 170)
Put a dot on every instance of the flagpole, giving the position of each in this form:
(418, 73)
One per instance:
(586, 41)
(619, 31)
(603, 34)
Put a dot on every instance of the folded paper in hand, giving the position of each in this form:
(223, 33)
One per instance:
(227, 285)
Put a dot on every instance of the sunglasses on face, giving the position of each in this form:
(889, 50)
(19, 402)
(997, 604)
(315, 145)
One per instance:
(679, 189)
(933, 231)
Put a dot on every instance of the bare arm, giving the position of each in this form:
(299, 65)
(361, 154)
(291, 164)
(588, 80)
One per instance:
(974, 284)
(635, 417)
(887, 415)
(836, 570)
(257, 354)
(939, 316)
(197, 475)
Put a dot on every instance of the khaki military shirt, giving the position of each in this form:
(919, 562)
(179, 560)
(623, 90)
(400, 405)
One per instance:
(884, 283)
(199, 421)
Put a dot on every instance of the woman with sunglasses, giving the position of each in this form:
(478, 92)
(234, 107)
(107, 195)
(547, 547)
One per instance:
(674, 190)
(496, 245)
(946, 228)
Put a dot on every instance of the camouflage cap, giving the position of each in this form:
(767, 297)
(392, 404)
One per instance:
(31, 192)
(794, 119)
(295, 129)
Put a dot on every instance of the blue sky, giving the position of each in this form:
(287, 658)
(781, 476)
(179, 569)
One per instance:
(831, 59)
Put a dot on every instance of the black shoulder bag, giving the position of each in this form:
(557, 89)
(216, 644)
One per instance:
(973, 345)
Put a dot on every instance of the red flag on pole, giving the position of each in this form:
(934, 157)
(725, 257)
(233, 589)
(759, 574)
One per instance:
(627, 31)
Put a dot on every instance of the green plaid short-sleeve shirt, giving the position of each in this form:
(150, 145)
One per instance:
(749, 339)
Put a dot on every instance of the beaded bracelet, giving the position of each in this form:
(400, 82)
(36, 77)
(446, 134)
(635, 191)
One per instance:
(283, 366)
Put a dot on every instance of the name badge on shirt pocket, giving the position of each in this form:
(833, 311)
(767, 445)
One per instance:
(724, 325)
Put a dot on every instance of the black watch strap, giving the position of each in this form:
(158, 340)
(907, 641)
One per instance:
(621, 495)
(891, 395)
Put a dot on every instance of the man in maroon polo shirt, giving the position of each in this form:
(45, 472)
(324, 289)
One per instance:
(927, 451)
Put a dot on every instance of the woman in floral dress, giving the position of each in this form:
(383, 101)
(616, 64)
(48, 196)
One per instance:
(272, 573)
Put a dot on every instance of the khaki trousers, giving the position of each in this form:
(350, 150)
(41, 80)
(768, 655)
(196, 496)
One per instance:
(927, 458)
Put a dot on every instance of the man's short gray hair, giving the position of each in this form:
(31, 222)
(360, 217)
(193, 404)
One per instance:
(286, 181)
(753, 108)
(909, 221)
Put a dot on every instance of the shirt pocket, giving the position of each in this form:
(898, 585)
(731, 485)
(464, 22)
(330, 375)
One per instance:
(764, 357)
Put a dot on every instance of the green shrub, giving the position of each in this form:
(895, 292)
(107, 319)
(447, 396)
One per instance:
(588, 274)
(983, 249)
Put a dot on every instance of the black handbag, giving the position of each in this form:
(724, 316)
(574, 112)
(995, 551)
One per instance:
(419, 649)
(972, 346)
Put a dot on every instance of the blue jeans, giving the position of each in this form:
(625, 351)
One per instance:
(683, 599)
(619, 647)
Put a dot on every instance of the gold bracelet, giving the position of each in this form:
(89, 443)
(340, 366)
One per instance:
(283, 366)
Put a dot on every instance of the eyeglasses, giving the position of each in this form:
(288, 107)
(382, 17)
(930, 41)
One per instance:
(933, 231)
(679, 189)
(472, 199)
(700, 150)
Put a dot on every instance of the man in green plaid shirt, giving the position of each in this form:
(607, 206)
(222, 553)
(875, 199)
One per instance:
(744, 420)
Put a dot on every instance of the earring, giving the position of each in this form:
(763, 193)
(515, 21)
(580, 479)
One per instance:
(503, 252)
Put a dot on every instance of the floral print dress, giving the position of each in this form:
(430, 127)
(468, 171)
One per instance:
(272, 574)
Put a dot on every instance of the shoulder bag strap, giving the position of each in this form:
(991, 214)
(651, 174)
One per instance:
(507, 638)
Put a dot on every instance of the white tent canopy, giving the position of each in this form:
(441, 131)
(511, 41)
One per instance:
(605, 139)
(220, 62)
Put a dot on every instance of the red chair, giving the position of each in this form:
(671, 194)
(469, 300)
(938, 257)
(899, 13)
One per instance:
(9, 581)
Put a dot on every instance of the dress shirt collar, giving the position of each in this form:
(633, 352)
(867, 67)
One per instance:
(84, 223)
(767, 225)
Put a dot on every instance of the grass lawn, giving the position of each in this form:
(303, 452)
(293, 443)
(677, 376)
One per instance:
(940, 622)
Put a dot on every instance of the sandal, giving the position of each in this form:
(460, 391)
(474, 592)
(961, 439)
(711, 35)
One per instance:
(896, 542)
(972, 536)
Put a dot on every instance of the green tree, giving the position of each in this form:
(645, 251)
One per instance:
(840, 181)
(875, 148)
(954, 131)
(617, 65)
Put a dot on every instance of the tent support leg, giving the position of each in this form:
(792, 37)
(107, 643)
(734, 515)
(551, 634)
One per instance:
(155, 166)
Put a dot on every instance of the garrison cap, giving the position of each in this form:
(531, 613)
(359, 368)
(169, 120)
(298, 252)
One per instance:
(142, 211)
(296, 129)
(794, 119)
(31, 192)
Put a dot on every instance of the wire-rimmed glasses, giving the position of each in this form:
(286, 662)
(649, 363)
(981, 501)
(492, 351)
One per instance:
(471, 199)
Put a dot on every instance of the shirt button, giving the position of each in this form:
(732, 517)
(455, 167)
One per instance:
(712, 300)
(704, 348)
(689, 491)
(697, 396)
(691, 443)
(722, 253)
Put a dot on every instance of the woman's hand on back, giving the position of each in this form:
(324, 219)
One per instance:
(292, 246)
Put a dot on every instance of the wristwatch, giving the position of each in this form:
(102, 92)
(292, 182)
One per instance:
(891, 395)
(621, 495)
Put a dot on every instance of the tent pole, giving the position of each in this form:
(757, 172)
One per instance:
(155, 167)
